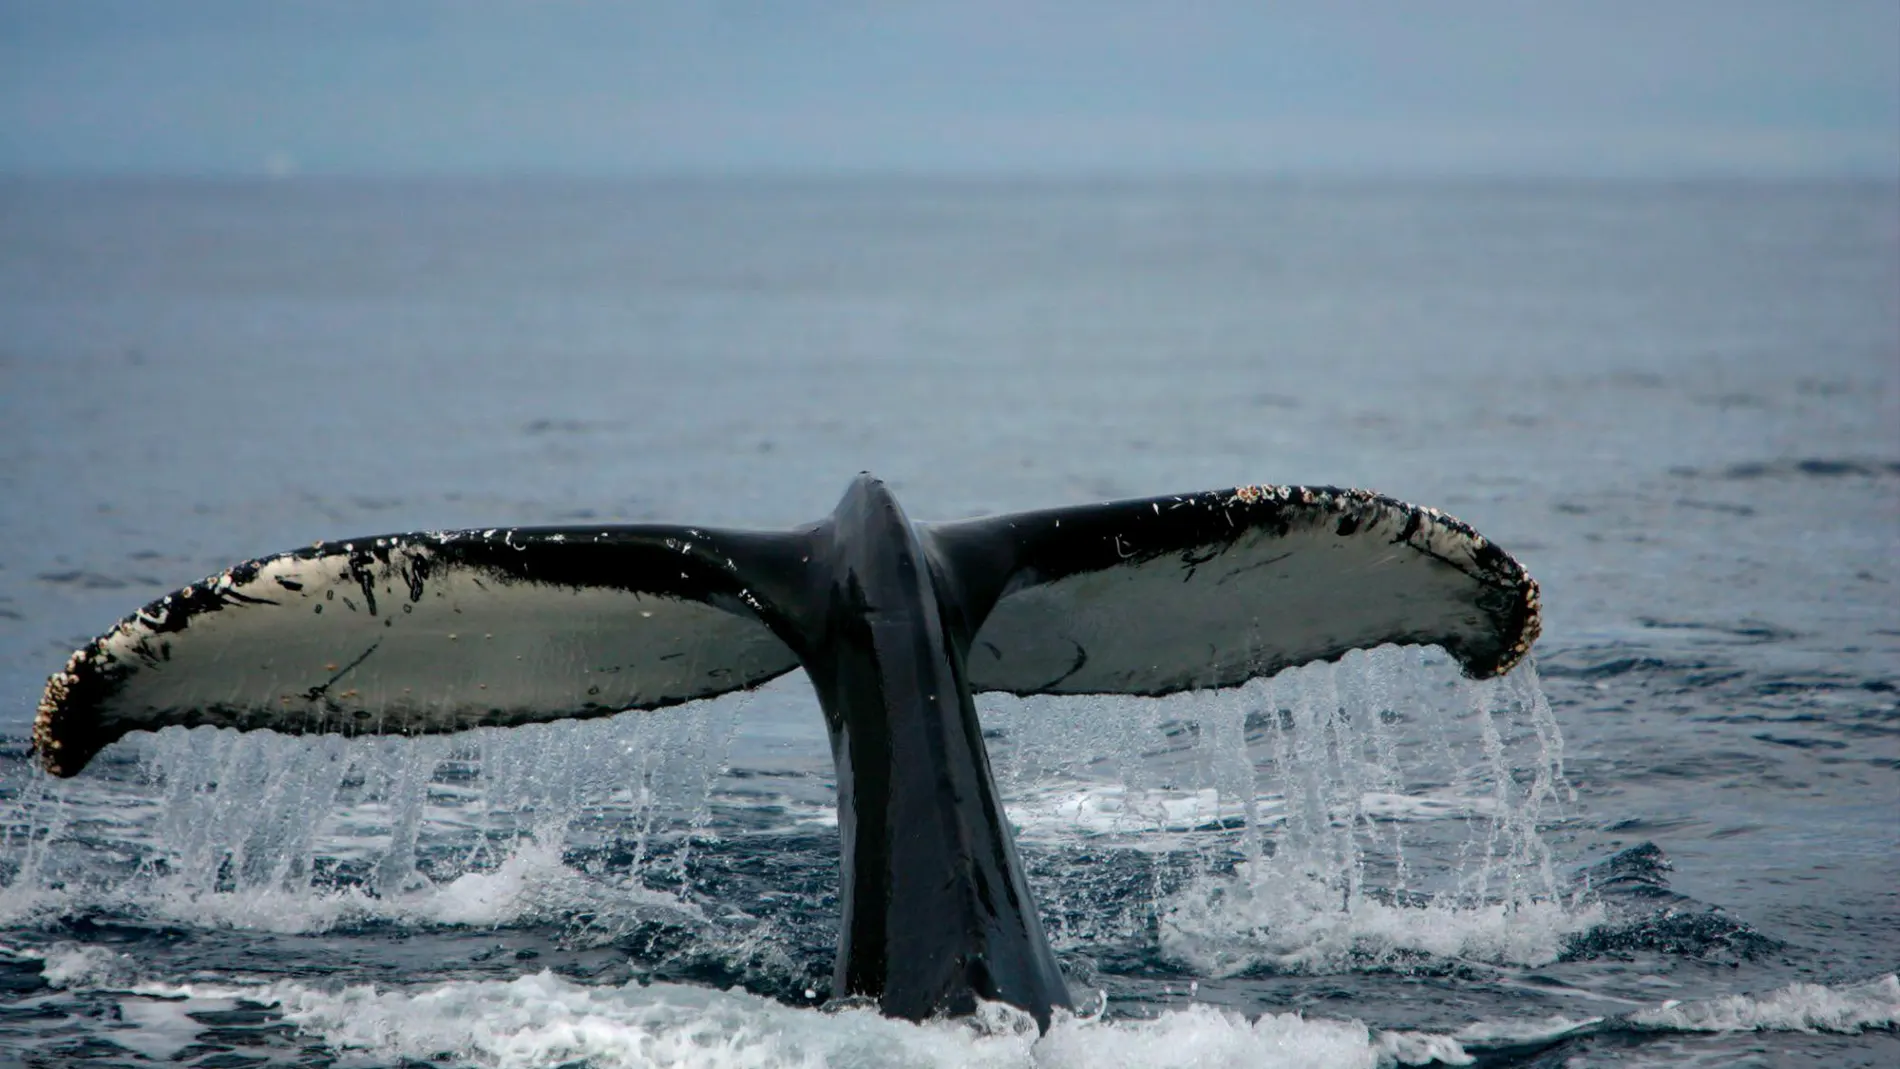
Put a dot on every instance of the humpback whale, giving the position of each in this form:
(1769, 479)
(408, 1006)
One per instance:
(896, 623)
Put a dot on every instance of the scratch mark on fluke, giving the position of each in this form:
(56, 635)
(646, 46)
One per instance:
(317, 692)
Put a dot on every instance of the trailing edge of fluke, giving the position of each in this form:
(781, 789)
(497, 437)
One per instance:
(896, 623)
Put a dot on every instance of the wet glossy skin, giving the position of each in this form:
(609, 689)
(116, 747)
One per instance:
(936, 910)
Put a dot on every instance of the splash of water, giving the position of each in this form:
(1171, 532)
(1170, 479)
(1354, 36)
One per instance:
(1333, 816)
(270, 832)
(1380, 809)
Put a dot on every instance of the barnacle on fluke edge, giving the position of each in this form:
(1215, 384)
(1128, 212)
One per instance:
(1441, 536)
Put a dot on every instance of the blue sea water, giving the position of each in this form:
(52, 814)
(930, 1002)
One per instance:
(1674, 840)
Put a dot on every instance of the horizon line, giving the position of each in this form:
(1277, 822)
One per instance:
(969, 176)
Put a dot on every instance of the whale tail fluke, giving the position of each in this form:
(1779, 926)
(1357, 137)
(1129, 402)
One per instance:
(446, 631)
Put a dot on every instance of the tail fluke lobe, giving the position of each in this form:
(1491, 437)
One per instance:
(437, 632)
(1212, 589)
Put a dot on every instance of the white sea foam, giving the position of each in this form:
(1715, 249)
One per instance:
(544, 1020)
(1795, 1008)
(1844, 1009)
(531, 885)
(1301, 922)
(76, 966)
(1162, 818)
(1523, 1031)
(160, 1028)
(1150, 819)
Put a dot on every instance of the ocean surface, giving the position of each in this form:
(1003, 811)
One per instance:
(1671, 839)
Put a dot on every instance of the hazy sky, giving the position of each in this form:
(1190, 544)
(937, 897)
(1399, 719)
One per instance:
(1611, 87)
